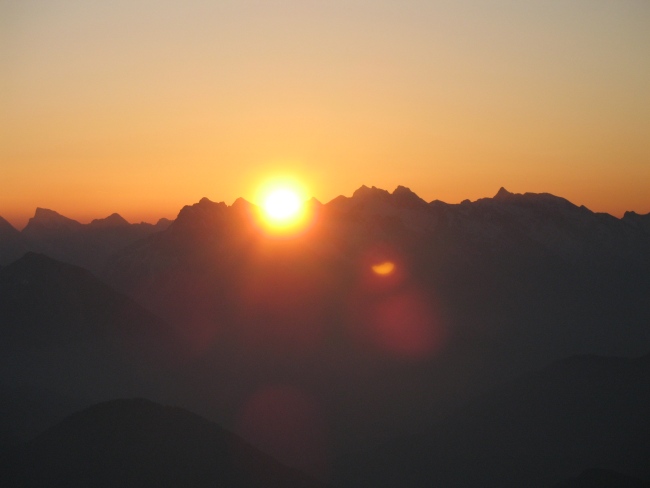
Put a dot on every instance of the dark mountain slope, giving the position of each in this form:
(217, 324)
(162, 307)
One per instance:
(639, 221)
(581, 413)
(603, 478)
(12, 245)
(43, 299)
(7, 231)
(137, 443)
(67, 339)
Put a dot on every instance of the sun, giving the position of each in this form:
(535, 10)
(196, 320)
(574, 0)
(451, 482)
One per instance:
(282, 205)
(283, 208)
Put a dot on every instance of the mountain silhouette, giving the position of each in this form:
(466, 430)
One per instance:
(639, 221)
(60, 237)
(476, 294)
(7, 231)
(113, 220)
(68, 339)
(580, 413)
(11, 243)
(483, 292)
(138, 443)
(48, 221)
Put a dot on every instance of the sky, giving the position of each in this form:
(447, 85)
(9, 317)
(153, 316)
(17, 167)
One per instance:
(142, 106)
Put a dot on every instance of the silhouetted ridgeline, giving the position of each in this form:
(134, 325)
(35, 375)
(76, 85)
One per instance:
(295, 343)
(67, 340)
(87, 245)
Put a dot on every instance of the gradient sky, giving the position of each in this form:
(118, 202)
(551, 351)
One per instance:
(143, 106)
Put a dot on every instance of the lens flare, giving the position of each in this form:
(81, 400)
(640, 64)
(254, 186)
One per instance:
(384, 269)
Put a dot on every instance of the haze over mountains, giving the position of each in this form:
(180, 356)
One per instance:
(294, 343)
(579, 413)
(87, 245)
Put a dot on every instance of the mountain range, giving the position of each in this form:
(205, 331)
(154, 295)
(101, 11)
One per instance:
(294, 343)
(87, 245)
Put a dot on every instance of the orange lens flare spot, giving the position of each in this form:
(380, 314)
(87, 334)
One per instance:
(384, 269)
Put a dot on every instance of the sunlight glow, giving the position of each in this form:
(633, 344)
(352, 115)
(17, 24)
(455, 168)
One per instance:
(282, 205)
(384, 268)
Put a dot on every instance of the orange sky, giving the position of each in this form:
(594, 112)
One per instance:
(140, 107)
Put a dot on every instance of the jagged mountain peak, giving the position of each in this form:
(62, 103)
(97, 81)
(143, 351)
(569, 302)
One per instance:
(503, 194)
(402, 196)
(203, 214)
(241, 203)
(631, 214)
(400, 190)
(7, 230)
(528, 198)
(363, 197)
(205, 201)
(406, 197)
(367, 193)
(113, 220)
(204, 205)
(314, 202)
(163, 222)
(639, 221)
(47, 214)
(49, 219)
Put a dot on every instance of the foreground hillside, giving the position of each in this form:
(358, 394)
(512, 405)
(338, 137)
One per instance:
(140, 444)
(581, 413)
(66, 340)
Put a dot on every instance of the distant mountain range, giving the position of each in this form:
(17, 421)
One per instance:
(87, 245)
(212, 313)
(542, 220)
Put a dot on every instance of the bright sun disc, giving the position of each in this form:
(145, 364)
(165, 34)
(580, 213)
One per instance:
(282, 205)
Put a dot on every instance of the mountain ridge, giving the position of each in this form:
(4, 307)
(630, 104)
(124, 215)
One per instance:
(68, 338)
(384, 311)
(49, 217)
(87, 245)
